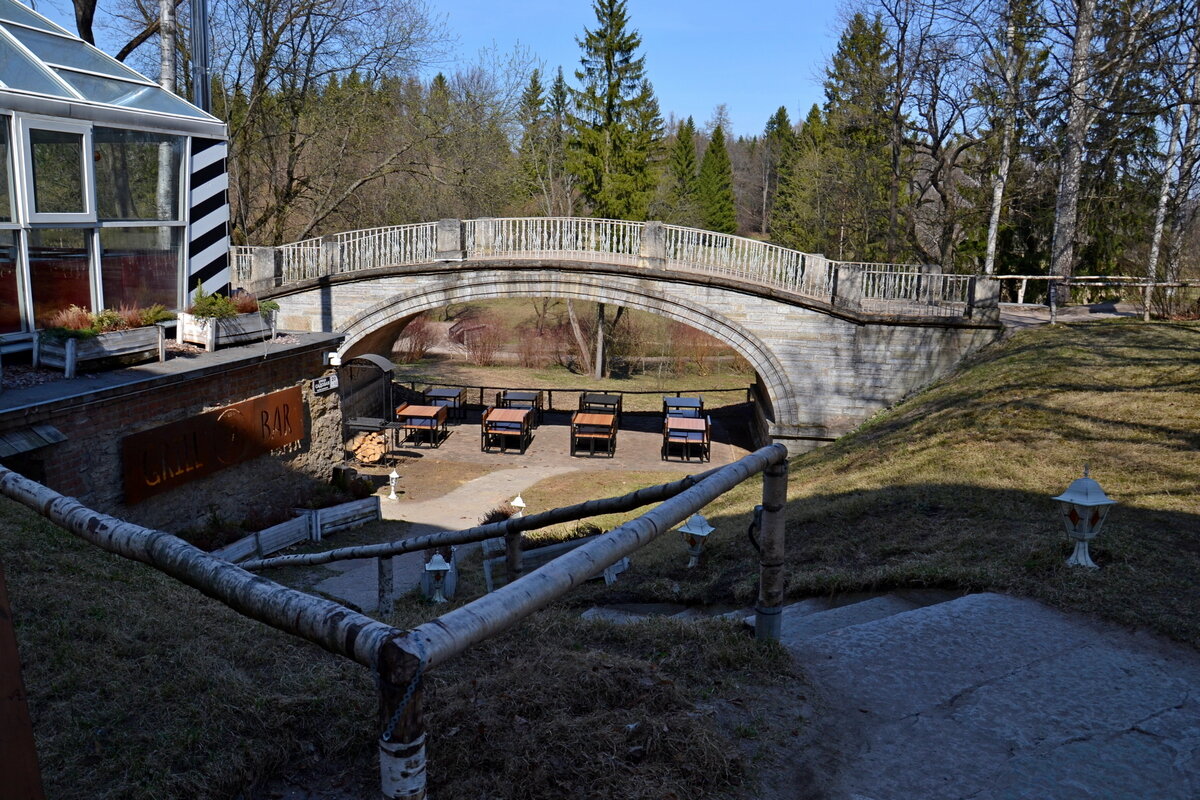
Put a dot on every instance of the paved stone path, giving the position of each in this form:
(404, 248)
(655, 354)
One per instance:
(991, 697)
(358, 581)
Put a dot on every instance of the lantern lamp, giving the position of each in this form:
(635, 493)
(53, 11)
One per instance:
(437, 569)
(694, 532)
(392, 478)
(1083, 507)
(519, 504)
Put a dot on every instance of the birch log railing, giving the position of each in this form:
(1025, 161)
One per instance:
(400, 658)
(907, 290)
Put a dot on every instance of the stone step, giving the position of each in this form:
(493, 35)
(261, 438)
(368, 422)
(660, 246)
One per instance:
(798, 627)
(811, 605)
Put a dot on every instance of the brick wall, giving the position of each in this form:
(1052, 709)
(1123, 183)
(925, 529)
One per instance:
(88, 464)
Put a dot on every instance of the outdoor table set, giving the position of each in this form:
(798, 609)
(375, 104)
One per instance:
(685, 425)
(447, 396)
(419, 421)
(500, 424)
(514, 398)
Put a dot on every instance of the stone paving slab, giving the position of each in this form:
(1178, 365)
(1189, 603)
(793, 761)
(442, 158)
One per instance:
(992, 697)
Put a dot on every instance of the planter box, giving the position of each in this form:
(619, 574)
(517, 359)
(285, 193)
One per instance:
(137, 344)
(213, 333)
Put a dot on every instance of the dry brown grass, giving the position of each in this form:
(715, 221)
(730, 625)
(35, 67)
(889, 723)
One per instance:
(953, 487)
(140, 687)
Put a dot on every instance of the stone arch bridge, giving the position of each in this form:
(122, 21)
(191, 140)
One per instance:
(831, 342)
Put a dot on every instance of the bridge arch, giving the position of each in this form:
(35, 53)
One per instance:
(362, 329)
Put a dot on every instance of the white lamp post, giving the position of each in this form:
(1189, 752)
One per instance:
(519, 504)
(694, 532)
(1084, 507)
(392, 478)
(437, 569)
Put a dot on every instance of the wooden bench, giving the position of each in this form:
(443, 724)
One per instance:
(421, 421)
(594, 429)
(687, 432)
(498, 424)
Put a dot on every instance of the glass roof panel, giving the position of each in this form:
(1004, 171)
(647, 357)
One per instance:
(15, 12)
(128, 95)
(71, 53)
(19, 71)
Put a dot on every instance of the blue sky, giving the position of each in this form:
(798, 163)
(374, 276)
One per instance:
(699, 53)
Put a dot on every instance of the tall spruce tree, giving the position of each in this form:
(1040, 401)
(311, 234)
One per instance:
(858, 112)
(715, 186)
(616, 125)
(776, 140)
(683, 205)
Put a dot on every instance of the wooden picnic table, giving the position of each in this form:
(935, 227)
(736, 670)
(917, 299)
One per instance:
(415, 420)
(519, 398)
(594, 427)
(446, 396)
(687, 431)
(500, 423)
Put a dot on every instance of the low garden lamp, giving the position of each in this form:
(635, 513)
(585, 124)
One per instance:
(694, 532)
(1083, 507)
(519, 504)
(392, 478)
(437, 569)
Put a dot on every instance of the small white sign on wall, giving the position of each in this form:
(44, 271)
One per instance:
(325, 384)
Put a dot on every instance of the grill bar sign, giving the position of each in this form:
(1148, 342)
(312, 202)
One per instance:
(171, 455)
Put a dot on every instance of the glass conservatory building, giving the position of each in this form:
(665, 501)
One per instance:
(112, 190)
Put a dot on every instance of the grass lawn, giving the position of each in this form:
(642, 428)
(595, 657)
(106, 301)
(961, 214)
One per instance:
(141, 688)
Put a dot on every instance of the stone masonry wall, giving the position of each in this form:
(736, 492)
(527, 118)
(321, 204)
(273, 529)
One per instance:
(824, 374)
(88, 465)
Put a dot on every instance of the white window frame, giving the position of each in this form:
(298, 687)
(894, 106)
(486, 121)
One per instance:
(26, 124)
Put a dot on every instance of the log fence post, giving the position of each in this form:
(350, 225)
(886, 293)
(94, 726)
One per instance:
(402, 773)
(512, 552)
(768, 614)
(383, 566)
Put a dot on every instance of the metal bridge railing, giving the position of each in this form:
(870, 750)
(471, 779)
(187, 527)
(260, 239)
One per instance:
(907, 290)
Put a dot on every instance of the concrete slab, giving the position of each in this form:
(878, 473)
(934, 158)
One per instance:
(998, 697)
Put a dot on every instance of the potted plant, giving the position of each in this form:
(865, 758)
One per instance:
(75, 337)
(214, 319)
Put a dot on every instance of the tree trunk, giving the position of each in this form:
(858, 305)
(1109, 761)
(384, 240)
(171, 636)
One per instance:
(166, 198)
(1066, 205)
(1185, 212)
(600, 363)
(581, 343)
(1160, 212)
(1000, 179)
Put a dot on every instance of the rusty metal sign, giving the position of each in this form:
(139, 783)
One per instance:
(171, 455)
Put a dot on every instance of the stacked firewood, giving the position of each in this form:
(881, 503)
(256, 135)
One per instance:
(368, 448)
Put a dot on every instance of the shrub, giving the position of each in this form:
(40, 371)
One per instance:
(417, 339)
(74, 322)
(72, 318)
(213, 306)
